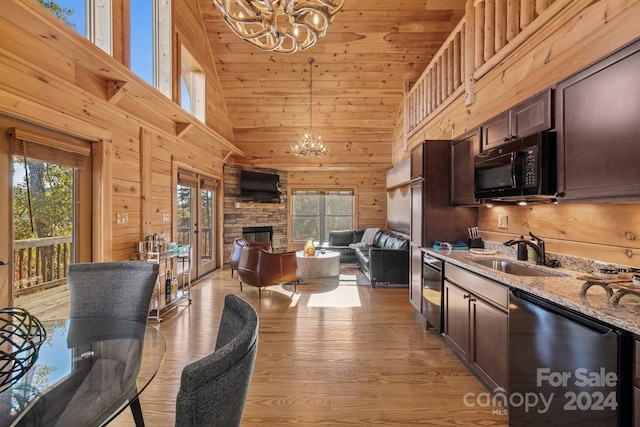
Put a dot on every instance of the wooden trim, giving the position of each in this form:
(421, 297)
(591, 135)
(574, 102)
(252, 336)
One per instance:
(102, 180)
(115, 90)
(146, 208)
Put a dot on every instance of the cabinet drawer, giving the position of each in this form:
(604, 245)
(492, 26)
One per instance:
(480, 286)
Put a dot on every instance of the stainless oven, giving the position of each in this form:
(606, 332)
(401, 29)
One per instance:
(432, 283)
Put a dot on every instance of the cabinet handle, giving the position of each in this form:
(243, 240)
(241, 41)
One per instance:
(465, 296)
(472, 300)
(507, 139)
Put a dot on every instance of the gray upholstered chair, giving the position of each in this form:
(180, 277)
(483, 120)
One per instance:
(120, 291)
(213, 390)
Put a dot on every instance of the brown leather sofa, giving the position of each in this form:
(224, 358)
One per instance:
(260, 268)
(236, 250)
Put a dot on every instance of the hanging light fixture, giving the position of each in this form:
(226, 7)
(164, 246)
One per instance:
(310, 144)
(284, 26)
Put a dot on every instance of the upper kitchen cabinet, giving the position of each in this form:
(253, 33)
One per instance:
(417, 162)
(530, 116)
(597, 115)
(462, 151)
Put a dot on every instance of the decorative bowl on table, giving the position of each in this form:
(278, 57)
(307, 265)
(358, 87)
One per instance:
(21, 335)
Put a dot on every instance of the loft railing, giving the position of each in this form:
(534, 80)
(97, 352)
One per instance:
(40, 263)
(488, 33)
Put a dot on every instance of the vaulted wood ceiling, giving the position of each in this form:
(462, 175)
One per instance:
(372, 50)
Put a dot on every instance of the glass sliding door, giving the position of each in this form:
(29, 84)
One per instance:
(48, 208)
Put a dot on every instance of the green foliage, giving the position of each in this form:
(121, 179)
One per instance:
(57, 11)
(51, 191)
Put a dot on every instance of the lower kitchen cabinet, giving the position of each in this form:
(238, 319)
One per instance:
(476, 319)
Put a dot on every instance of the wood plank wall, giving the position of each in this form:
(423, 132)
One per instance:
(582, 33)
(54, 78)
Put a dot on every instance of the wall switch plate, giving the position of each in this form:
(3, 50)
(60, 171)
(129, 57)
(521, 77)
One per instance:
(503, 221)
(166, 217)
(122, 218)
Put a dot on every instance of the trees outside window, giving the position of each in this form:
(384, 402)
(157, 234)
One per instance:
(316, 213)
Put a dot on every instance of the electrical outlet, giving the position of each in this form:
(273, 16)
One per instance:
(503, 221)
(122, 218)
(166, 217)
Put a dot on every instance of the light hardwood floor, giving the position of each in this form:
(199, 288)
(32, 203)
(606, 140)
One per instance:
(327, 355)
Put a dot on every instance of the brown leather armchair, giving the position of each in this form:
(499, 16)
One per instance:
(260, 268)
(236, 250)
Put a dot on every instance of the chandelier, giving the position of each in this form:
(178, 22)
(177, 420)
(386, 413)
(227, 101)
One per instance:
(284, 26)
(310, 144)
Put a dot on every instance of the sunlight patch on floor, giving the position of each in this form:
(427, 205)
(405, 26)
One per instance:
(342, 296)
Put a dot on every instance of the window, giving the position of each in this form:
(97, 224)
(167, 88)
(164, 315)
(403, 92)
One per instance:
(150, 31)
(91, 18)
(192, 85)
(316, 213)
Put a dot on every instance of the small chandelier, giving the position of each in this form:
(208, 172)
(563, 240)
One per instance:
(310, 144)
(284, 26)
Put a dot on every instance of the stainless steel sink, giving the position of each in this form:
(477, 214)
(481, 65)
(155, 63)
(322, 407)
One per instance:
(510, 267)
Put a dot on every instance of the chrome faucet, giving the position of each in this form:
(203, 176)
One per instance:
(538, 246)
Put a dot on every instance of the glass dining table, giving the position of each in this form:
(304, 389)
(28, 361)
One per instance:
(86, 372)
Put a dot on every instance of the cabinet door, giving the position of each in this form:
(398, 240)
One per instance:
(531, 116)
(415, 289)
(489, 339)
(417, 161)
(417, 210)
(496, 131)
(462, 175)
(456, 318)
(598, 130)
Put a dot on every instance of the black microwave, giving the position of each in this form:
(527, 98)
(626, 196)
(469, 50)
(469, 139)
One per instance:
(521, 170)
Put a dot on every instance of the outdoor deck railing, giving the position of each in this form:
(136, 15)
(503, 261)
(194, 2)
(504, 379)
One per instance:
(40, 263)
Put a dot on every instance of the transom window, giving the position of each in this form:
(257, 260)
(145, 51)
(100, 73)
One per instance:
(318, 212)
(192, 85)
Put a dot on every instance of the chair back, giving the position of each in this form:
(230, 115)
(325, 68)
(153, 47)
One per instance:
(236, 250)
(213, 390)
(119, 290)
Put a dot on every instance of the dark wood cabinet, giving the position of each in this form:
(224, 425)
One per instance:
(526, 118)
(599, 130)
(417, 162)
(462, 176)
(476, 324)
(432, 215)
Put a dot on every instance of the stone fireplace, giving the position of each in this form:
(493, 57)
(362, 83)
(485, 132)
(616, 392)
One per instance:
(240, 215)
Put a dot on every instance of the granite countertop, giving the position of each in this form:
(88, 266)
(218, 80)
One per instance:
(563, 290)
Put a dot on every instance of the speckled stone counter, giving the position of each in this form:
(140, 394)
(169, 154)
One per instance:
(563, 290)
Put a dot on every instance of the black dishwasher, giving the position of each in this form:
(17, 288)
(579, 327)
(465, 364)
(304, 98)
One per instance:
(566, 369)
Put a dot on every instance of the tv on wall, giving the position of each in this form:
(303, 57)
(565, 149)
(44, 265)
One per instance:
(259, 186)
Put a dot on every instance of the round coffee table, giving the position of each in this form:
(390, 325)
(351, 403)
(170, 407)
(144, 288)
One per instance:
(325, 264)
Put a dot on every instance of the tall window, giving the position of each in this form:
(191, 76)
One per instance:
(150, 31)
(192, 85)
(317, 212)
(91, 18)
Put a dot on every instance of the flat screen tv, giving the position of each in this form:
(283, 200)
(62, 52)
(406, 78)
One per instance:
(259, 186)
